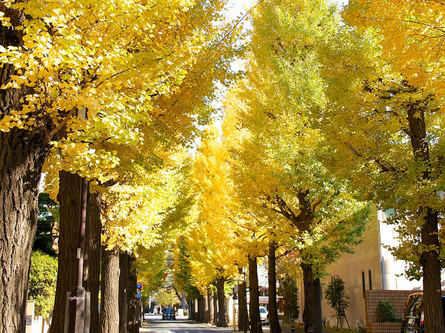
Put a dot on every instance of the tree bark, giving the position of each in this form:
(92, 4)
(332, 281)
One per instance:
(254, 305)
(312, 315)
(22, 154)
(430, 258)
(123, 299)
(432, 301)
(211, 307)
(191, 303)
(243, 317)
(206, 308)
(215, 309)
(222, 321)
(272, 277)
(69, 199)
(21, 162)
(195, 307)
(201, 309)
(109, 313)
(134, 311)
(93, 251)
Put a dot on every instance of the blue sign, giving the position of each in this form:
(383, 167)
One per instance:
(139, 285)
(138, 294)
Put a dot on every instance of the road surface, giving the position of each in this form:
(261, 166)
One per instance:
(155, 324)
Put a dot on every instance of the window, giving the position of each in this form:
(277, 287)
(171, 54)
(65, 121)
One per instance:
(370, 280)
(363, 283)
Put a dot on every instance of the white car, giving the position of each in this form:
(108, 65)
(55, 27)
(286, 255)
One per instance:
(264, 315)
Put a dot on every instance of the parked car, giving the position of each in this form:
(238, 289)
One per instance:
(168, 314)
(264, 315)
(413, 316)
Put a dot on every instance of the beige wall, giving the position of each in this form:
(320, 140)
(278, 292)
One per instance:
(349, 268)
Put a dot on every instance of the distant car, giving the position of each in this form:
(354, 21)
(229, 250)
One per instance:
(413, 316)
(264, 315)
(168, 314)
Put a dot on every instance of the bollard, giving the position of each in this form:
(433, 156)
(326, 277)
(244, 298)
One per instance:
(292, 329)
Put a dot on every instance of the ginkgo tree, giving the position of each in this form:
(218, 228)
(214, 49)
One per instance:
(278, 173)
(214, 255)
(282, 154)
(411, 34)
(61, 58)
(138, 219)
(385, 120)
(259, 231)
(378, 104)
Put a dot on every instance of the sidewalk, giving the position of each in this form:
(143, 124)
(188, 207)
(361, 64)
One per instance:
(288, 329)
(284, 329)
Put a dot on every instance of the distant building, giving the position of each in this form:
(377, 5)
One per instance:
(360, 271)
(370, 267)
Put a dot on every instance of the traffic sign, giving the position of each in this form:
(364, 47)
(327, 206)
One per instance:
(139, 294)
(139, 285)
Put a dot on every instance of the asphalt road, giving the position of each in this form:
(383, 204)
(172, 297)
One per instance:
(155, 324)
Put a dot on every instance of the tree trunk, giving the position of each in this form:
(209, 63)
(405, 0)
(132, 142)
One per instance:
(123, 299)
(222, 322)
(94, 250)
(312, 316)
(134, 311)
(211, 308)
(22, 154)
(430, 258)
(21, 161)
(243, 317)
(201, 309)
(272, 276)
(195, 307)
(254, 305)
(109, 313)
(206, 308)
(215, 309)
(69, 199)
(191, 303)
(432, 301)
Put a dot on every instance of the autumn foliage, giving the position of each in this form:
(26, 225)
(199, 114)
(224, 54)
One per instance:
(334, 112)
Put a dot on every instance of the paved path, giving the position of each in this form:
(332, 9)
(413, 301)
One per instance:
(155, 324)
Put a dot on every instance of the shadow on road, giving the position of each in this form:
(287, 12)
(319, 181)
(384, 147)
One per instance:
(179, 326)
(157, 325)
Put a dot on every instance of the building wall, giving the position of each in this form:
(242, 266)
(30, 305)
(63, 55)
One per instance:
(397, 298)
(392, 269)
(363, 264)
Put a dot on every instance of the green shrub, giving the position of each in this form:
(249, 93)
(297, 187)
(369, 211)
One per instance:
(337, 298)
(385, 312)
(289, 302)
(42, 283)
